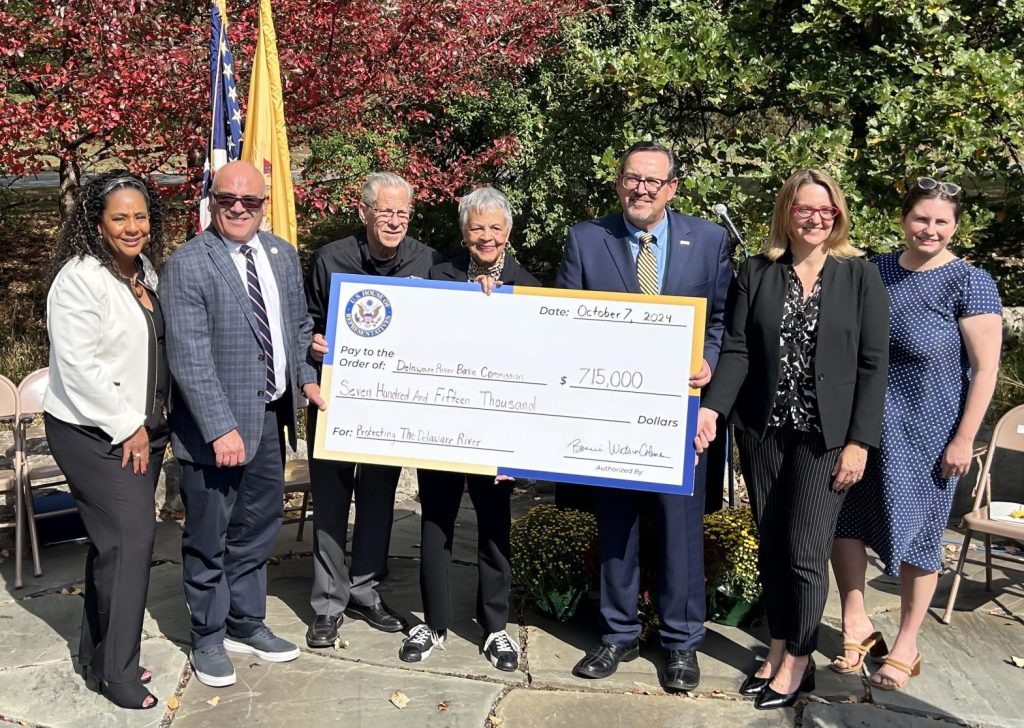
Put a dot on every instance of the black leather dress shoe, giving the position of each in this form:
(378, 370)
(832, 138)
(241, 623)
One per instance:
(682, 673)
(324, 631)
(604, 660)
(753, 685)
(378, 616)
(769, 699)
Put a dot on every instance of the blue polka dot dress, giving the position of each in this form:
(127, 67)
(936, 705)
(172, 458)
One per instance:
(901, 506)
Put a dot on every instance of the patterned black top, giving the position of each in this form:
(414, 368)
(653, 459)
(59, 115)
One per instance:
(796, 403)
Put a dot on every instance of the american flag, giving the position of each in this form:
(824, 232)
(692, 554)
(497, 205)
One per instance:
(226, 117)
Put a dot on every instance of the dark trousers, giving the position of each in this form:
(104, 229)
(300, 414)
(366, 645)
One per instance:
(680, 554)
(232, 517)
(789, 478)
(116, 507)
(440, 498)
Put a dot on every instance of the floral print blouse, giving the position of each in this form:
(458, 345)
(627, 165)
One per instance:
(796, 402)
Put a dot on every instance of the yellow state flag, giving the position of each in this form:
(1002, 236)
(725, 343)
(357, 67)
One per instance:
(265, 142)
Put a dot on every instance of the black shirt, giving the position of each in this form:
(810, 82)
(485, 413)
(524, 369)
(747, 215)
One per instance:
(352, 255)
(457, 269)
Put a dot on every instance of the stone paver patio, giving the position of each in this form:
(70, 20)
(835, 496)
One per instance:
(967, 678)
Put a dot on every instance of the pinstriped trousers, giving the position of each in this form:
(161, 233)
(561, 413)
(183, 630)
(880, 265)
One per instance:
(789, 479)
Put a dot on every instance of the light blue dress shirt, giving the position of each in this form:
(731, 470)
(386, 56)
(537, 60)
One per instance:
(660, 245)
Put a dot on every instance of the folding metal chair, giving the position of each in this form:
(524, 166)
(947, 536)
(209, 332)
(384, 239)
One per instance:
(10, 481)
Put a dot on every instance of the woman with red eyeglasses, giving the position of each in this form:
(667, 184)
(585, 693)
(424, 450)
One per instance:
(802, 376)
(946, 334)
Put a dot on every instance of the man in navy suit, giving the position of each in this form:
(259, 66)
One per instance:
(648, 249)
(238, 339)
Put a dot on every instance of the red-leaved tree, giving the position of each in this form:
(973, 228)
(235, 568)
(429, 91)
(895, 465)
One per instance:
(86, 81)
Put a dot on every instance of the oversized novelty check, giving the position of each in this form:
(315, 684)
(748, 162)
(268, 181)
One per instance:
(570, 386)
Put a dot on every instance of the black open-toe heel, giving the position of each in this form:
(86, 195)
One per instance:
(92, 682)
(128, 695)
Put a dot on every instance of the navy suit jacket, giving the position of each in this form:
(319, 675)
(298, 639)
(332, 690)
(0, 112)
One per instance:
(598, 258)
(213, 345)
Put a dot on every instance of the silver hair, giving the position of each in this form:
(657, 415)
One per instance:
(480, 200)
(377, 180)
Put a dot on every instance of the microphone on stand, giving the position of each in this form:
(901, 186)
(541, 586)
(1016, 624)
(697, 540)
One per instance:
(723, 212)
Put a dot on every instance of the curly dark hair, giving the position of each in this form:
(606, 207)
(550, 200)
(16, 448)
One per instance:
(79, 236)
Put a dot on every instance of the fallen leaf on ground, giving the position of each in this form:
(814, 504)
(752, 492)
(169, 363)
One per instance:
(212, 702)
(442, 706)
(172, 703)
(495, 720)
(1017, 661)
(340, 644)
(399, 699)
(253, 664)
(76, 591)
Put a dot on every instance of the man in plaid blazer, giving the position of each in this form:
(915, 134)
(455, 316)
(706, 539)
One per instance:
(238, 337)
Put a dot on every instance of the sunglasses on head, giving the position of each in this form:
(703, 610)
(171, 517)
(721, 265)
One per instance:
(947, 188)
(249, 202)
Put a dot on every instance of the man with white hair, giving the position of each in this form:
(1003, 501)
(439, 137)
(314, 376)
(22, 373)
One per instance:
(382, 249)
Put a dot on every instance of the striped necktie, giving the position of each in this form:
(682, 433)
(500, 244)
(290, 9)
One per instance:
(259, 309)
(647, 266)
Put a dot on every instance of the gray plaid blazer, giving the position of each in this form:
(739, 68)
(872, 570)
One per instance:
(213, 349)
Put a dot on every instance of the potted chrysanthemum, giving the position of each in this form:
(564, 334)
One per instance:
(730, 565)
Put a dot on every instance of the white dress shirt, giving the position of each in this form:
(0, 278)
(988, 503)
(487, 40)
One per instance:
(272, 299)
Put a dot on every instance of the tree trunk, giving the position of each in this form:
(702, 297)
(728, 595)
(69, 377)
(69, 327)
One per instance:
(70, 179)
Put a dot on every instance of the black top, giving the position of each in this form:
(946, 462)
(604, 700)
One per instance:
(851, 359)
(457, 269)
(352, 255)
(796, 403)
(158, 387)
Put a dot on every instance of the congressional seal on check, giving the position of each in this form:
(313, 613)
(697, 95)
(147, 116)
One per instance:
(571, 386)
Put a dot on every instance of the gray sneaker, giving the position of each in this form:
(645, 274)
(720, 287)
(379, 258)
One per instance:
(212, 666)
(264, 644)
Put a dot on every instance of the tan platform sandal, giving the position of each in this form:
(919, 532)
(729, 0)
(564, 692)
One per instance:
(874, 644)
(912, 670)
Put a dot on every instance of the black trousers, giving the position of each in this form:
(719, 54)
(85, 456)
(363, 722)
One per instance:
(440, 496)
(116, 507)
(232, 517)
(789, 479)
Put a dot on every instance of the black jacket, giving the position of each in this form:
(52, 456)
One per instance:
(457, 269)
(852, 357)
(352, 255)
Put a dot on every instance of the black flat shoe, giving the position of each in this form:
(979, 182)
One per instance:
(753, 685)
(769, 699)
(682, 673)
(604, 660)
(129, 695)
(378, 616)
(324, 631)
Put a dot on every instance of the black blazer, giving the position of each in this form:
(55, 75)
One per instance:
(457, 269)
(851, 361)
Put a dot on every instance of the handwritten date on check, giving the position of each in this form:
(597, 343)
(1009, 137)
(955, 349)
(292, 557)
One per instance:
(569, 386)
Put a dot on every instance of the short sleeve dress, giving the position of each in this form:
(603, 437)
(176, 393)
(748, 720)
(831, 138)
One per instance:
(902, 505)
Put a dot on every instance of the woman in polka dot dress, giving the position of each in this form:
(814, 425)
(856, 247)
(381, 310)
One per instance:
(946, 323)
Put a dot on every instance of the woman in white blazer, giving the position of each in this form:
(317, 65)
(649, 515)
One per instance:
(104, 411)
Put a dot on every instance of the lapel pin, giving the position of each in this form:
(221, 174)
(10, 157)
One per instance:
(274, 250)
(684, 242)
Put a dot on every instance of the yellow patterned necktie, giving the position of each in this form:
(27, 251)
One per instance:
(647, 266)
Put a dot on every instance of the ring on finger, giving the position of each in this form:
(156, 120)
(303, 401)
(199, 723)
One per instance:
(136, 455)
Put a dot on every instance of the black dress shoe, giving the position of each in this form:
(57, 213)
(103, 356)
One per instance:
(753, 685)
(768, 699)
(604, 660)
(324, 631)
(682, 673)
(378, 616)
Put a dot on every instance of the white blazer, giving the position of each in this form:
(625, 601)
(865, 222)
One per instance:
(99, 349)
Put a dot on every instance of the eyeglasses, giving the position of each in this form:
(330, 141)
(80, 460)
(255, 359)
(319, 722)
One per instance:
(387, 214)
(804, 212)
(650, 184)
(249, 202)
(947, 188)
